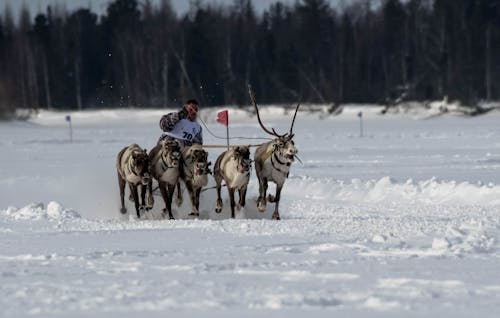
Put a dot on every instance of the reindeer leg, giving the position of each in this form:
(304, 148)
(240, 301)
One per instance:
(164, 195)
(178, 199)
(197, 198)
(143, 196)
(151, 200)
(276, 214)
(194, 211)
(121, 185)
(135, 196)
(171, 189)
(218, 203)
(231, 200)
(243, 195)
(261, 202)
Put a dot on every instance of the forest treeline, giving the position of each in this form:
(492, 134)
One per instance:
(143, 54)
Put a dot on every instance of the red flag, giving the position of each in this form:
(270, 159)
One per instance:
(223, 117)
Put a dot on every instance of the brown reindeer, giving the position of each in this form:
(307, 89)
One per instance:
(233, 166)
(273, 160)
(132, 166)
(195, 170)
(165, 167)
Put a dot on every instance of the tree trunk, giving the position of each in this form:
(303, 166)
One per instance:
(32, 82)
(164, 74)
(126, 75)
(341, 75)
(314, 88)
(488, 62)
(46, 83)
(78, 86)
(229, 84)
(185, 74)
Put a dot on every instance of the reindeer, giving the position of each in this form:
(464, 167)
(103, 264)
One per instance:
(273, 160)
(233, 166)
(132, 166)
(194, 174)
(164, 161)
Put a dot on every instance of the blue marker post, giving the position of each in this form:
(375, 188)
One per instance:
(360, 115)
(68, 119)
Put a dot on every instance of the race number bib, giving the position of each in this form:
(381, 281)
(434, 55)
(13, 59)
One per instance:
(184, 130)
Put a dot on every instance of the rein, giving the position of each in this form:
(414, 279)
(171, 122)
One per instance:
(225, 146)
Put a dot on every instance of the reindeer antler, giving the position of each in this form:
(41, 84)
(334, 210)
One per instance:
(252, 98)
(293, 121)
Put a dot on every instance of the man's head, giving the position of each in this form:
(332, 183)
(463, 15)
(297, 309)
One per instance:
(191, 107)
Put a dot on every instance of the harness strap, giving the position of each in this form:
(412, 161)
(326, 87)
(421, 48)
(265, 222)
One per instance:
(280, 162)
(165, 165)
(130, 167)
(277, 168)
(187, 167)
(268, 153)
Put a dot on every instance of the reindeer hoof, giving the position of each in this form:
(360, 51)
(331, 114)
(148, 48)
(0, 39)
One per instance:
(194, 214)
(151, 202)
(218, 206)
(167, 215)
(131, 198)
(271, 198)
(276, 216)
(261, 206)
(238, 207)
(123, 210)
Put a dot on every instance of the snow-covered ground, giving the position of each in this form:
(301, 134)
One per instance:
(402, 222)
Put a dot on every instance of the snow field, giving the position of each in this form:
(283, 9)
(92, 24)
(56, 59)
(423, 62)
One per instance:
(402, 222)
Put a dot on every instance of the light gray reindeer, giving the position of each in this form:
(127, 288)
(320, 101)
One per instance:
(132, 167)
(233, 166)
(165, 167)
(273, 160)
(195, 170)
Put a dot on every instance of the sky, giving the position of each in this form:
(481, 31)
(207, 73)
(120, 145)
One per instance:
(99, 6)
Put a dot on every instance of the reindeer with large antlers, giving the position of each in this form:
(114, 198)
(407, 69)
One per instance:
(273, 160)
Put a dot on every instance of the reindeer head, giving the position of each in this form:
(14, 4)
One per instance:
(285, 149)
(140, 165)
(283, 145)
(200, 162)
(172, 153)
(242, 156)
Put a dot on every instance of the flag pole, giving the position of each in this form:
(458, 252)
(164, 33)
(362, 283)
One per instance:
(227, 134)
(68, 119)
(223, 118)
